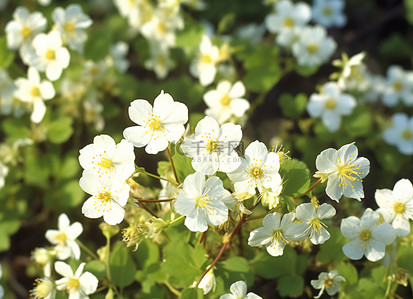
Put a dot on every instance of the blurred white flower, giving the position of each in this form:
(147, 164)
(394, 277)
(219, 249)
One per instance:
(259, 169)
(7, 90)
(396, 206)
(330, 105)
(44, 257)
(202, 202)
(226, 101)
(328, 281)
(212, 148)
(204, 65)
(79, 285)
(313, 46)
(251, 33)
(44, 289)
(239, 291)
(44, 2)
(287, 20)
(117, 57)
(4, 170)
(160, 61)
(400, 133)
(368, 237)
(108, 197)
(275, 233)
(108, 159)
(399, 86)
(343, 171)
(310, 224)
(72, 23)
(34, 92)
(64, 238)
(329, 13)
(50, 55)
(158, 125)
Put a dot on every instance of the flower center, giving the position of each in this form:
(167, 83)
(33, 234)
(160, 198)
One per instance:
(225, 100)
(327, 11)
(41, 257)
(212, 146)
(365, 235)
(35, 92)
(155, 124)
(105, 196)
(202, 201)
(73, 283)
(162, 28)
(206, 58)
(69, 27)
(60, 237)
(399, 207)
(330, 104)
(42, 289)
(288, 22)
(328, 283)
(312, 48)
(277, 236)
(397, 86)
(25, 31)
(348, 172)
(316, 224)
(106, 163)
(256, 172)
(50, 54)
(407, 134)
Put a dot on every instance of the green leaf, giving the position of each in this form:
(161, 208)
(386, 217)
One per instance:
(348, 271)
(9, 224)
(69, 168)
(306, 71)
(183, 164)
(60, 130)
(36, 169)
(291, 286)
(331, 251)
(6, 55)
(293, 106)
(16, 128)
(234, 269)
(183, 263)
(122, 267)
(390, 158)
(70, 193)
(192, 293)
(270, 267)
(190, 37)
(396, 46)
(97, 268)
(358, 124)
(147, 254)
(296, 177)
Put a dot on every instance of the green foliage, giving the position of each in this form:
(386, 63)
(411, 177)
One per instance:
(331, 251)
(192, 293)
(60, 129)
(6, 55)
(348, 271)
(296, 177)
(293, 106)
(9, 224)
(121, 265)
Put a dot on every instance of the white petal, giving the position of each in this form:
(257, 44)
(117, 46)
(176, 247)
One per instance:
(239, 289)
(325, 211)
(88, 283)
(384, 233)
(350, 227)
(139, 111)
(272, 221)
(39, 110)
(256, 151)
(90, 208)
(136, 135)
(354, 249)
(375, 250)
(194, 184)
(260, 236)
(305, 212)
(63, 269)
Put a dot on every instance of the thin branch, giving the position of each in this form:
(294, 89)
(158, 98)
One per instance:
(172, 164)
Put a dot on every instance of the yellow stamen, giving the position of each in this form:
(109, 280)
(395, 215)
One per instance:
(288, 22)
(328, 283)
(312, 48)
(330, 104)
(73, 283)
(212, 146)
(202, 201)
(69, 27)
(316, 224)
(407, 134)
(397, 86)
(26, 31)
(50, 54)
(42, 289)
(61, 237)
(327, 11)
(155, 124)
(106, 163)
(277, 236)
(35, 92)
(348, 172)
(256, 172)
(225, 100)
(206, 58)
(105, 196)
(365, 235)
(399, 207)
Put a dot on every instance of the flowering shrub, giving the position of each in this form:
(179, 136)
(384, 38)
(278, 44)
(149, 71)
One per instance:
(204, 149)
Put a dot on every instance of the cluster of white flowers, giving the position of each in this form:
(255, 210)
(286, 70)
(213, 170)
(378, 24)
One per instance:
(78, 284)
(310, 44)
(329, 282)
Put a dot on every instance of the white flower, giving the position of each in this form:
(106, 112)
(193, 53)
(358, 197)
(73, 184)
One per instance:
(204, 66)
(64, 238)
(202, 202)
(396, 206)
(44, 257)
(368, 237)
(117, 56)
(330, 105)
(353, 70)
(310, 225)
(344, 171)
(328, 281)
(44, 288)
(288, 17)
(44, 2)
(108, 197)
(160, 61)
(399, 85)
(159, 29)
(313, 46)
(4, 170)
(225, 101)
(400, 133)
(24, 27)
(259, 170)
(251, 33)
(239, 291)
(50, 55)
(34, 92)
(158, 125)
(107, 158)
(71, 23)
(7, 91)
(212, 148)
(275, 233)
(208, 282)
(329, 13)
(79, 285)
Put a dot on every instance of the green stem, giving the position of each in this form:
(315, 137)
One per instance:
(176, 220)
(171, 288)
(309, 189)
(154, 200)
(159, 177)
(172, 164)
(87, 250)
